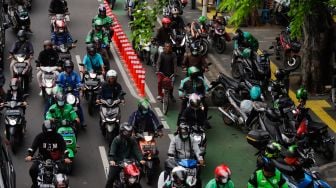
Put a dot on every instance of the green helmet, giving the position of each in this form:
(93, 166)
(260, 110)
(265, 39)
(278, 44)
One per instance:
(193, 70)
(247, 35)
(98, 22)
(301, 94)
(202, 19)
(272, 150)
(143, 106)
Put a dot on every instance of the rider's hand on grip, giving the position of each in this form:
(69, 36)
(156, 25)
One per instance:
(113, 163)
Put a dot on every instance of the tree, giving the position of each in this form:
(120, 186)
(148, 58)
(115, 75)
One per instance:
(312, 22)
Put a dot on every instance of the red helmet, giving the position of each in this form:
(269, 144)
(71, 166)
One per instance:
(131, 170)
(165, 20)
(222, 173)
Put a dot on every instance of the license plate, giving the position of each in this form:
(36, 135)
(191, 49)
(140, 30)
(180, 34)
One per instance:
(91, 83)
(191, 171)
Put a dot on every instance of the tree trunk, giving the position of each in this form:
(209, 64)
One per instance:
(317, 49)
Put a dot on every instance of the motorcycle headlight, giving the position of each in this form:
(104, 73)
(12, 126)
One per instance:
(132, 179)
(20, 59)
(148, 138)
(87, 76)
(111, 119)
(93, 75)
(12, 121)
(49, 83)
(197, 138)
(71, 99)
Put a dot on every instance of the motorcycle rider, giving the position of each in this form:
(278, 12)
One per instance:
(111, 89)
(21, 46)
(61, 35)
(58, 7)
(222, 178)
(93, 62)
(246, 40)
(15, 93)
(177, 22)
(107, 21)
(178, 178)
(163, 34)
(124, 146)
(70, 78)
(144, 119)
(50, 145)
(193, 84)
(102, 51)
(99, 33)
(267, 176)
(192, 58)
(166, 64)
(48, 57)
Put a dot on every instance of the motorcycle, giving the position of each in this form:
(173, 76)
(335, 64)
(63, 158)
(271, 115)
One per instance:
(288, 50)
(201, 43)
(315, 134)
(109, 118)
(129, 175)
(144, 51)
(150, 152)
(91, 89)
(22, 70)
(64, 51)
(58, 17)
(20, 19)
(179, 45)
(218, 35)
(198, 134)
(49, 78)
(15, 122)
(192, 170)
(73, 100)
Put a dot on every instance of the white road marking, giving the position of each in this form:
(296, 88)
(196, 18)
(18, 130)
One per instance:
(149, 94)
(123, 73)
(79, 60)
(171, 136)
(158, 111)
(103, 156)
(165, 125)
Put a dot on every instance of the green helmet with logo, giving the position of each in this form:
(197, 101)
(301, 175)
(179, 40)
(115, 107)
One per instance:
(301, 94)
(193, 70)
(202, 19)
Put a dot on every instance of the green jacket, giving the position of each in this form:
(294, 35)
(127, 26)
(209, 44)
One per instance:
(248, 40)
(103, 36)
(212, 184)
(258, 180)
(121, 149)
(67, 113)
(107, 21)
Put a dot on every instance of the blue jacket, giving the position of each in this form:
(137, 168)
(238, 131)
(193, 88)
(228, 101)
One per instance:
(144, 122)
(73, 80)
(63, 38)
(93, 63)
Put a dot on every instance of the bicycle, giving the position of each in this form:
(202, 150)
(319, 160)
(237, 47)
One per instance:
(167, 86)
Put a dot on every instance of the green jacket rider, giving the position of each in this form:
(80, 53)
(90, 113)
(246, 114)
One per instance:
(61, 111)
(107, 21)
(99, 33)
(245, 39)
(222, 178)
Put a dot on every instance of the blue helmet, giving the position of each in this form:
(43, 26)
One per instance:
(255, 92)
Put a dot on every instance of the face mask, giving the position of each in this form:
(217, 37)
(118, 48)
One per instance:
(184, 136)
(21, 38)
(175, 15)
(60, 103)
(144, 111)
(223, 180)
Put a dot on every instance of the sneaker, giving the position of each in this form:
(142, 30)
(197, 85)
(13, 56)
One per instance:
(159, 98)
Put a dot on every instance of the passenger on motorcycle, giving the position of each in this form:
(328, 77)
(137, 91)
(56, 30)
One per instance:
(124, 146)
(192, 58)
(61, 35)
(177, 22)
(144, 119)
(48, 57)
(166, 64)
(177, 179)
(267, 176)
(222, 178)
(69, 78)
(61, 111)
(93, 62)
(194, 113)
(111, 89)
(107, 21)
(193, 84)
(58, 7)
(99, 33)
(21, 46)
(246, 40)
(182, 146)
(50, 145)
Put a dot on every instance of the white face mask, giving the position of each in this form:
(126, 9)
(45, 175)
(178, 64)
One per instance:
(132, 180)
(185, 136)
(60, 103)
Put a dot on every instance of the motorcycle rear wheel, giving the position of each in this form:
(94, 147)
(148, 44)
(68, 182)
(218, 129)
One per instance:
(292, 62)
(91, 107)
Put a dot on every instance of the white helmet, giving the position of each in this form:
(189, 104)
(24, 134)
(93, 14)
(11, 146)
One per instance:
(111, 73)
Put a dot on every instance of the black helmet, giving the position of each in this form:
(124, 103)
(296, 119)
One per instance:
(102, 10)
(194, 101)
(60, 99)
(47, 43)
(48, 127)
(68, 63)
(183, 130)
(21, 35)
(90, 48)
(126, 130)
(14, 84)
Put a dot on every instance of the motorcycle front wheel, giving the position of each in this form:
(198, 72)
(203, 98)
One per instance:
(204, 47)
(293, 62)
(14, 143)
(220, 45)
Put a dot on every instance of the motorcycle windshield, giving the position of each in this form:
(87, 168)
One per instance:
(188, 163)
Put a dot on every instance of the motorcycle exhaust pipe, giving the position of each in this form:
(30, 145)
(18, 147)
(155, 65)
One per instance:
(226, 114)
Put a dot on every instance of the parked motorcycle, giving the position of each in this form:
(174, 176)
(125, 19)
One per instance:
(20, 19)
(91, 89)
(15, 122)
(22, 70)
(49, 78)
(315, 134)
(109, 118)
(288, 50)
(219, 37)
(150, 152)
(129, 175)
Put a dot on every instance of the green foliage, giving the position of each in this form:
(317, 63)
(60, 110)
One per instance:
(241, 9)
